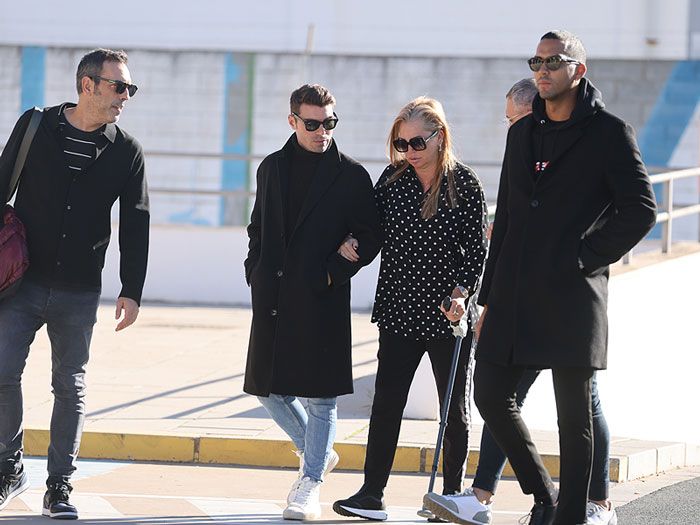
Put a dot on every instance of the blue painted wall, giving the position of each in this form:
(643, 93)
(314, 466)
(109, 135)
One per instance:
(33, 77)
(672, 113)
(670, 117)
(237, 116)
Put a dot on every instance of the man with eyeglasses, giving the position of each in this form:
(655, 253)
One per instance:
(78, 165)
(574, 196)
(309, 197)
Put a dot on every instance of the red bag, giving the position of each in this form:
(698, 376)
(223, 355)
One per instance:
(14, 256)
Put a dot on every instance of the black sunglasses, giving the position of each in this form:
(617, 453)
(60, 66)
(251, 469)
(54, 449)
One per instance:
(551, 63)
(417, 143)
(119, 86)
(312, 124)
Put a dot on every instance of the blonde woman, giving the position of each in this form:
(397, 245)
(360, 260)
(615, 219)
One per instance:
(433, 216)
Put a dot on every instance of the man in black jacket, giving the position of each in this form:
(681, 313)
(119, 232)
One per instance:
(309, 197)
(79, 164)
(574, 197)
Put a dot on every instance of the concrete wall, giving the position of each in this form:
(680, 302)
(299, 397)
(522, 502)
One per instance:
(210, 103)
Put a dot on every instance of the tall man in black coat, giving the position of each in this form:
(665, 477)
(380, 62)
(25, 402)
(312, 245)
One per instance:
(574, 197)
(309, 197)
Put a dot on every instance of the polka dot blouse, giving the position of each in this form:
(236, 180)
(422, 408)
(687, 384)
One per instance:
(423, 260)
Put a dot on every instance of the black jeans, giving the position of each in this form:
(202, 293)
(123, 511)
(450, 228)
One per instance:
(492, 459)
(398, 359)
(494, 394)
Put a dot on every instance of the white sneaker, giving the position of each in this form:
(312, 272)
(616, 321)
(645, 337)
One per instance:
(459, 508)
(599, 515)
(333, 459)
(305, 505)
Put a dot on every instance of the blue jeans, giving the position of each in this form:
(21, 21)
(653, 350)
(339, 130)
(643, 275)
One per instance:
(69, 317)
(492, 460)
(313, 433)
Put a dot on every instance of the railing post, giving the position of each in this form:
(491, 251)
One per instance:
(627, 257)
(667, 235)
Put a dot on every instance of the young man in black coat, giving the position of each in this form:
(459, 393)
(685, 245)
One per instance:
(80, 162)
(574, 197)
(309, 197)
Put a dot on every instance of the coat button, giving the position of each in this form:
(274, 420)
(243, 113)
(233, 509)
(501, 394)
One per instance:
(534, 203)
(273, 312)
(280, 273)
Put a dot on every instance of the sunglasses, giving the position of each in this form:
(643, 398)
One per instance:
(417, 143)
(119, 86)
(312, 124)
(551, 63)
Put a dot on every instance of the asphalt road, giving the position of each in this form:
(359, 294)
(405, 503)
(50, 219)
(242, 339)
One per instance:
(678, 504)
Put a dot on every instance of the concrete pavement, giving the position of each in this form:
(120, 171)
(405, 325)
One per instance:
(166, 494)
(170, 388)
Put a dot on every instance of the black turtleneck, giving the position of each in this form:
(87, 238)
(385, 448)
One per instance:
(302, 169)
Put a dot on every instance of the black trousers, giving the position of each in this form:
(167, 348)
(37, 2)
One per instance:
(399, 358)
(494, 394)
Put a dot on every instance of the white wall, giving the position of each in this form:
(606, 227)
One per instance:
(609, 28)
(193, 264)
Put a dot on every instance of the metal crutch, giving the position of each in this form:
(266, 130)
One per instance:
(459, 330)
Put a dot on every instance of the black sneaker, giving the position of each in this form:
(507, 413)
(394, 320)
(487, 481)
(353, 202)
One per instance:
(362, 505)
(540, 514)
(56, 504)
(12, 485)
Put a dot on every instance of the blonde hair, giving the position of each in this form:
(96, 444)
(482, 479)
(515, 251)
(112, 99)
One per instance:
(432, 114)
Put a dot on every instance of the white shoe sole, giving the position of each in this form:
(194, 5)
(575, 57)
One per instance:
(24, 486)
(448, 515)
(60, 515)
(291, 513)
(378, 515)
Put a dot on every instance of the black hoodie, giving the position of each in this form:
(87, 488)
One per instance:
(546, 132)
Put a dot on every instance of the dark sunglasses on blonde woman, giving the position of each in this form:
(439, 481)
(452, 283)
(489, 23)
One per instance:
(417, 143)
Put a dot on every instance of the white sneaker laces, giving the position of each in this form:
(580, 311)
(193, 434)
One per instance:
(304, 490)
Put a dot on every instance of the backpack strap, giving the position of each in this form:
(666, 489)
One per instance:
(37, 113)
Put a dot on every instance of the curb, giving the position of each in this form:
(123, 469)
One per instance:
(279, 453)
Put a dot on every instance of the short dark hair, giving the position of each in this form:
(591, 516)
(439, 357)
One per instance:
(312, 94)
(91, 64)
(573, 47)
(522, 92)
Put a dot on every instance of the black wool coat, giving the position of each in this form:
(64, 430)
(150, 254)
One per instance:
(300, 340)
(592, 203)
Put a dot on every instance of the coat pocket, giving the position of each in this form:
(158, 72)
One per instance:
(100, 249)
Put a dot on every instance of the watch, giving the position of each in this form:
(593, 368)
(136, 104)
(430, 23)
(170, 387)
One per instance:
(462, 290)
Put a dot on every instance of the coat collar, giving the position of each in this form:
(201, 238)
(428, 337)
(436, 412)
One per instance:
(52, 117)
(327, 171)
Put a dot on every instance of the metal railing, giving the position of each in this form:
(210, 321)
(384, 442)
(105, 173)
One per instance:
(667, 211)
(665, 217)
